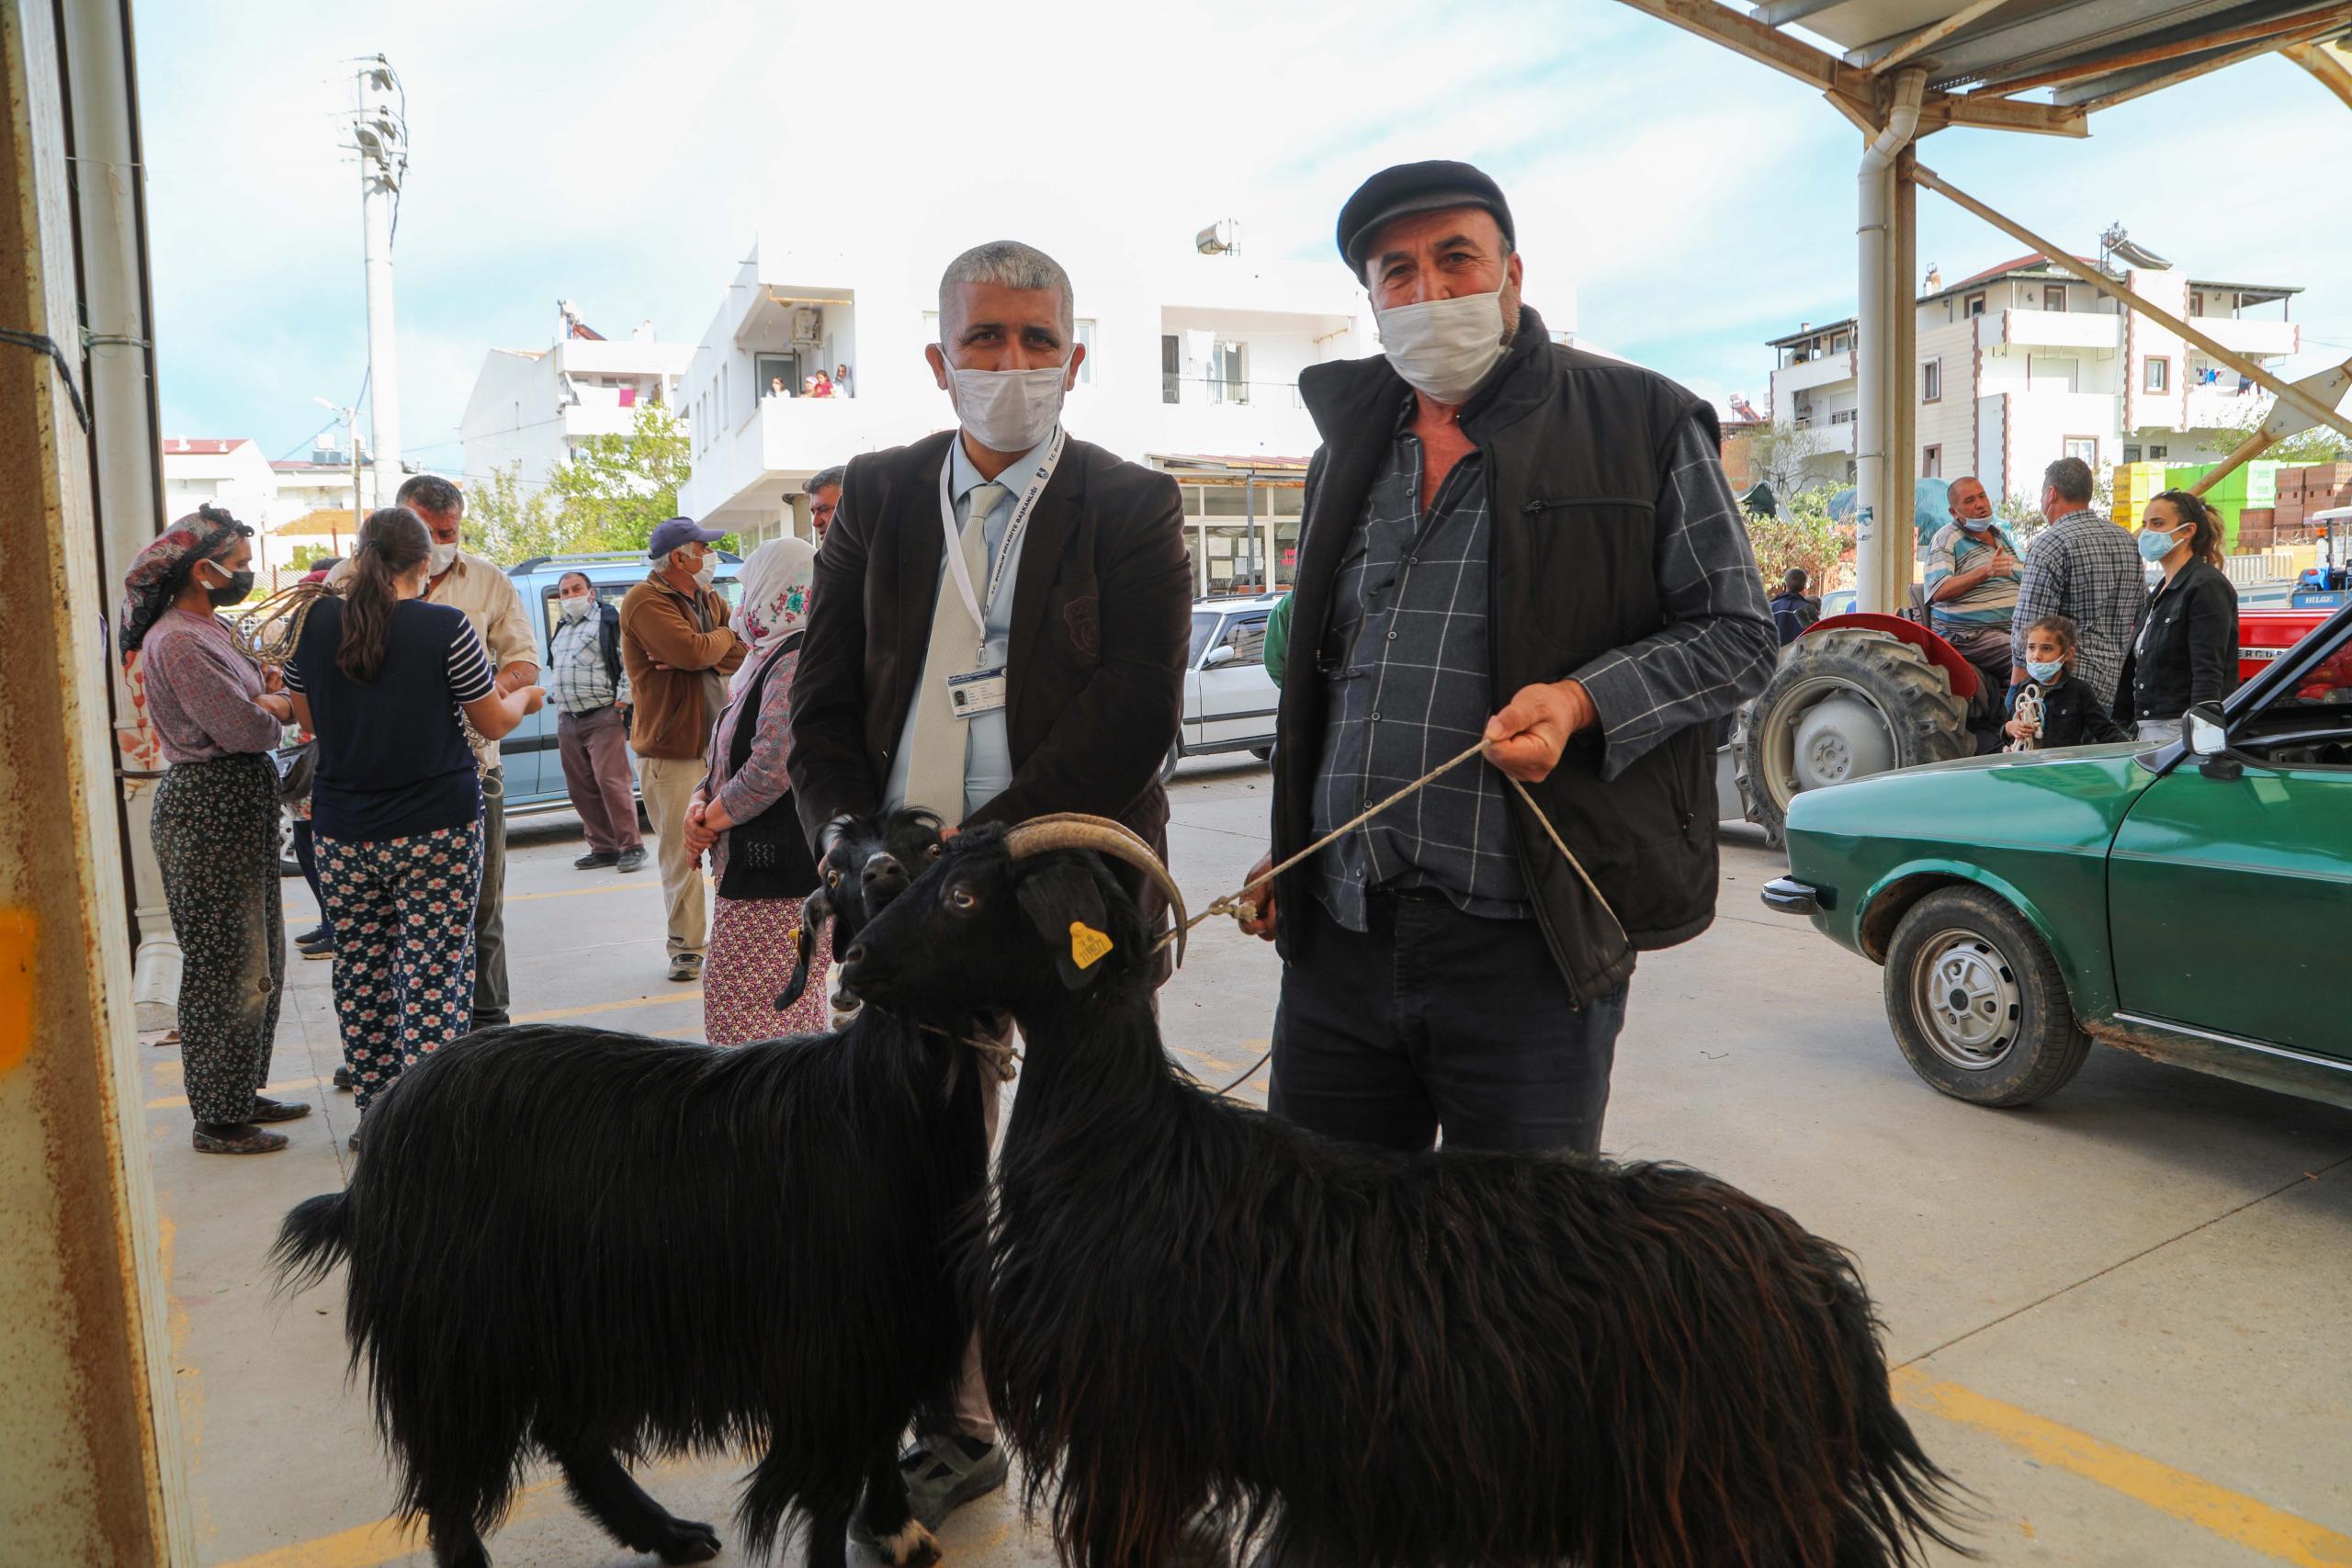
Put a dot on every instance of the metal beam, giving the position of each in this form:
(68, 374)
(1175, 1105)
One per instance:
(1780, 12)
(2060, 256)
(1975, 109)
(2106, 91)
(1744, 35)
(2188, 43)
(2324, 61)
(1930, 37)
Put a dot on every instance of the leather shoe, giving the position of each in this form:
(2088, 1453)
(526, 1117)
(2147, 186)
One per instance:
(594, 859)
(267, 1110)
(631, 859)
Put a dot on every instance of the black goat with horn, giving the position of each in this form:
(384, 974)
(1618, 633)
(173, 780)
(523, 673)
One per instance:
(598, 1244)
(1373, 1360)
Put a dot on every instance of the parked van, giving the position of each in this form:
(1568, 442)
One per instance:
(533, 770)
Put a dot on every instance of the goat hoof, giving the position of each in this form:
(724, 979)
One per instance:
(913, 1547)
(689, 1543)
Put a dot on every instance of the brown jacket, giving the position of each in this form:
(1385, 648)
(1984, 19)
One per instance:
(1101, 618)
(671, 717)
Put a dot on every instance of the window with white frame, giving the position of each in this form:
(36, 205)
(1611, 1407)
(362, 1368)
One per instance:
(2084, 446)
(1931, 381)
(2157, 376)
(1931, 462)
(1972, 306)
(2054, 296)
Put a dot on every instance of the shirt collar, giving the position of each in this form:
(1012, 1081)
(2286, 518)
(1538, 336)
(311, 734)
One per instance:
(963, 476)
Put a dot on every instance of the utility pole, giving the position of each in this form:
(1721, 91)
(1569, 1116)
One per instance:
(350, 418)
(379, 135)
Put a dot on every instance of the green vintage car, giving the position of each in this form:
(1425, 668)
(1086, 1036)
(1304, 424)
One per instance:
(2191, 901)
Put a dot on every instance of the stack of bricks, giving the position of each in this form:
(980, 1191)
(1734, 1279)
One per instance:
(2308, 488)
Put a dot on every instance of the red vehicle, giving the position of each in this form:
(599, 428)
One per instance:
(1861, 694)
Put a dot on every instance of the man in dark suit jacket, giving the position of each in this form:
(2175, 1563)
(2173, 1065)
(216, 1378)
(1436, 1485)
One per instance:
(1088, 626)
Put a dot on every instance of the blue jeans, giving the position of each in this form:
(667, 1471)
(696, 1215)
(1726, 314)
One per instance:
(1438, 1020)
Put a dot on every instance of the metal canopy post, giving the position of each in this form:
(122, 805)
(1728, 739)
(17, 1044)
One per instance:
(1882, 374)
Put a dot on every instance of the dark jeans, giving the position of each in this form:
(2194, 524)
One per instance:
(306, 855)
(490, 905)
(1438, 1020)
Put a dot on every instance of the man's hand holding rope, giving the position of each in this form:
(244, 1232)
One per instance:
(1524, 740)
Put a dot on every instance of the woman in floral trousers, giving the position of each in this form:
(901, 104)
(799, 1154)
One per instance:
(380, 675)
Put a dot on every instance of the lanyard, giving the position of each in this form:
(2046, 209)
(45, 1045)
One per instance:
(1005, 547)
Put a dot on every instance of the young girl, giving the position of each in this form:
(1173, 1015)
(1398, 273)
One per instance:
(2069, 712)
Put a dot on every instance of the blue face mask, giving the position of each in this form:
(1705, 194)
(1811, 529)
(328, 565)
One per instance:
(1975, 524)
(2045, 671)
(2156, 546)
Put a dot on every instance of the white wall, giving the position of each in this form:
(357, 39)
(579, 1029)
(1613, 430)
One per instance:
(239, 479)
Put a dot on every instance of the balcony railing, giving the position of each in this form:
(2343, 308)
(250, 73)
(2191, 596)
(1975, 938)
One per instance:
(1175, 389)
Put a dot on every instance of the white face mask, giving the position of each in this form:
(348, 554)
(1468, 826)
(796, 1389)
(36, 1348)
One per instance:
(443, 557)
(576, 608)
(706, 573)
(1008, 411)
(1443, 348)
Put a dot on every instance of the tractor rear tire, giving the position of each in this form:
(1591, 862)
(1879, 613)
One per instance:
(1910, 700)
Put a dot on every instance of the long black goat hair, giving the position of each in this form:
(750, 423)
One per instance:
(595, 1244)
(1369, 1360)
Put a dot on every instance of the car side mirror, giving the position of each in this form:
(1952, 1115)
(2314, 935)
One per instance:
(2204, 730)
(1219, 657)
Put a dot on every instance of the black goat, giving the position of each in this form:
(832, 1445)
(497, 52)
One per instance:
(1367, 1359)
(596, 1243)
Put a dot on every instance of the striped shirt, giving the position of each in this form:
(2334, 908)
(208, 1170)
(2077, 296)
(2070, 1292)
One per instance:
(1955, 552)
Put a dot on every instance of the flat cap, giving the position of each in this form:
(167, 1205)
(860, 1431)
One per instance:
(1404, 188)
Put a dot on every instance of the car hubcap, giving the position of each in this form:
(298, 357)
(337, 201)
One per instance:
(1966, 998)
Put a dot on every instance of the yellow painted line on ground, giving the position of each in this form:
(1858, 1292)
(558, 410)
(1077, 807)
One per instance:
(2275, 1533)
(179, 1101)
(552, 1014)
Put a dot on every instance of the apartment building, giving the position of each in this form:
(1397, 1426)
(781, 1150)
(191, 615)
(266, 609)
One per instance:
(2022, 363)
(533, 406)
(1193, 364)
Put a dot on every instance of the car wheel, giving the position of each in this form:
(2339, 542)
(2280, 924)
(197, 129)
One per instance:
(1263, 754)
(1843, 704)
(1977, 1003)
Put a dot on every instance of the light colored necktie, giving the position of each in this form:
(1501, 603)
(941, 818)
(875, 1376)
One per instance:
(936, 771)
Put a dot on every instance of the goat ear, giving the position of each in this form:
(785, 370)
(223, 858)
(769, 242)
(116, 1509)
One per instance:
(815, 910)
(1064, 903)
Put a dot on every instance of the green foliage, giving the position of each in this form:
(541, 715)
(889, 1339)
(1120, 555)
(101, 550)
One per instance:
(611, 496)
(2321, 443)
(617, 489)
(1803, 535)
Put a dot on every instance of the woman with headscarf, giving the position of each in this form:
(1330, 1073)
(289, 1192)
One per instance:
(380, 675)
(218, 716)
(743, 817)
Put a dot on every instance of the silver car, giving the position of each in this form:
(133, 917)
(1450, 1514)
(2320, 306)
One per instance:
(1229, 700)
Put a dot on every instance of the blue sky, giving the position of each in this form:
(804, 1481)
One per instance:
(626, 156)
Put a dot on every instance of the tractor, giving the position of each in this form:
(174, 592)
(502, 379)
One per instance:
(2328, 585)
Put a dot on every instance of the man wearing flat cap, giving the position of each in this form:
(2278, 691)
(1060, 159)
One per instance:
(1515, 544)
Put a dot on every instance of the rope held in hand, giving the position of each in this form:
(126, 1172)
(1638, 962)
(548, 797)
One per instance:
(1240, 903)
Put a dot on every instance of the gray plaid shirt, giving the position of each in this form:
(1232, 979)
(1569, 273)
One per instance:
(2085, 568)
(1413, 686)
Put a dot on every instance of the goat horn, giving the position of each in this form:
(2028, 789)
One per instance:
(1075, 831)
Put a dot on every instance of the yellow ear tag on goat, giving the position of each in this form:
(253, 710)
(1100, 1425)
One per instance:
(1087, 945)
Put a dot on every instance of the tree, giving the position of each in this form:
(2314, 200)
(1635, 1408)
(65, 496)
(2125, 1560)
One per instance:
(1780, 453)
(509, 523)
(1803, 536)
(2321, 443)
(617, 489)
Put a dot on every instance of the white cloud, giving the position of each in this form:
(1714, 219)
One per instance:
(1692, 203)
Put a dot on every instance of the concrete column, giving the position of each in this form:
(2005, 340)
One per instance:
(88, 1468)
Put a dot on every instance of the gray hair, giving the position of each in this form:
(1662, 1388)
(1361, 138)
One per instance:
(433, 493)
(825, 479)
(1011, 264)
(2071, 477)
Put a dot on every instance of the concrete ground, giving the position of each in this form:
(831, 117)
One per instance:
(2119, 1316)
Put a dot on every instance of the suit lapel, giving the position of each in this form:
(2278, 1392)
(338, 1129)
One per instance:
(1052, 526)
(919, 551)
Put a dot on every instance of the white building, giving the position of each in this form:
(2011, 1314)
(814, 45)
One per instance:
(534, 407)
(1193, 364)
(230, 473)
(322, 480)
(2023, 363)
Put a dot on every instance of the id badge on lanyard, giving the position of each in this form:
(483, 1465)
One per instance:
(983, 688)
